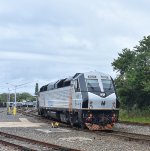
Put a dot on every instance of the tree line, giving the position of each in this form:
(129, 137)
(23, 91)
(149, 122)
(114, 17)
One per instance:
(133, 79)
(25, 96)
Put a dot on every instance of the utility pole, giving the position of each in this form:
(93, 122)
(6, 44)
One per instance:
(8, 95)
(14, 107)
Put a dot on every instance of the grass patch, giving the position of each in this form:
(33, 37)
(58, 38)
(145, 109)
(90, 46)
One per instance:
(140, 116)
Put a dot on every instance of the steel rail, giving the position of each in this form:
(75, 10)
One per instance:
(36, 142)
(6, 143)
(128, 136)
(133, 136)
(43, 119)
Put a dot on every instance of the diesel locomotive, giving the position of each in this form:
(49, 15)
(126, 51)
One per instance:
(85, 99)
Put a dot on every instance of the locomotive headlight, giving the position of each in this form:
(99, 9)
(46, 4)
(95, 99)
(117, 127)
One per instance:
(102, 94)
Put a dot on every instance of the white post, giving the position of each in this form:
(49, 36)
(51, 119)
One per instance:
(15, 109)
(9, 95)
(8, 102)
(15, 96)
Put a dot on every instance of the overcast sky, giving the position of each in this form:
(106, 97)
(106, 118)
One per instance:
(44, 40)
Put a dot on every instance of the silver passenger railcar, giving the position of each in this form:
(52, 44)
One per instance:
(86, 99)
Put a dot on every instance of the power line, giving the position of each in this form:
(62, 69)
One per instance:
(16, 86)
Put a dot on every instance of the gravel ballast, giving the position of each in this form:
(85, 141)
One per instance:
(7, 148)
(80, 140)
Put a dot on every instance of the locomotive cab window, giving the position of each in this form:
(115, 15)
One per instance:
(92, 83)
(108, 85)
(93, 86)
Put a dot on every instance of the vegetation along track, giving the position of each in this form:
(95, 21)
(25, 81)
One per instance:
(29, 144)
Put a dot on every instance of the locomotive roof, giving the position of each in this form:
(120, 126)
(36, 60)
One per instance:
(74, 77)
(68, 79)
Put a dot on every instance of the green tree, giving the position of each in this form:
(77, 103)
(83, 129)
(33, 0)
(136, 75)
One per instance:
(3, 97)
(123, 62)
(20, 97)
(24, 96)
(133, 81)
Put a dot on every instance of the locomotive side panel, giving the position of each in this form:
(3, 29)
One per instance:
(41, 100)
(57, 98)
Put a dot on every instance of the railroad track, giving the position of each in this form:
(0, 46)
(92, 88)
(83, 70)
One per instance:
(43, 119)
(2, 111)
(134, 123)
(127, 136)
(121, 134)
(30, 113)
(26, 110)
(27, 144)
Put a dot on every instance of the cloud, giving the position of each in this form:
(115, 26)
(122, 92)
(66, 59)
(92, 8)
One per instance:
(48, 39)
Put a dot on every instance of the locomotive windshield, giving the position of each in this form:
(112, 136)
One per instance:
(92, 83)
(93, 86)
(108, 86)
